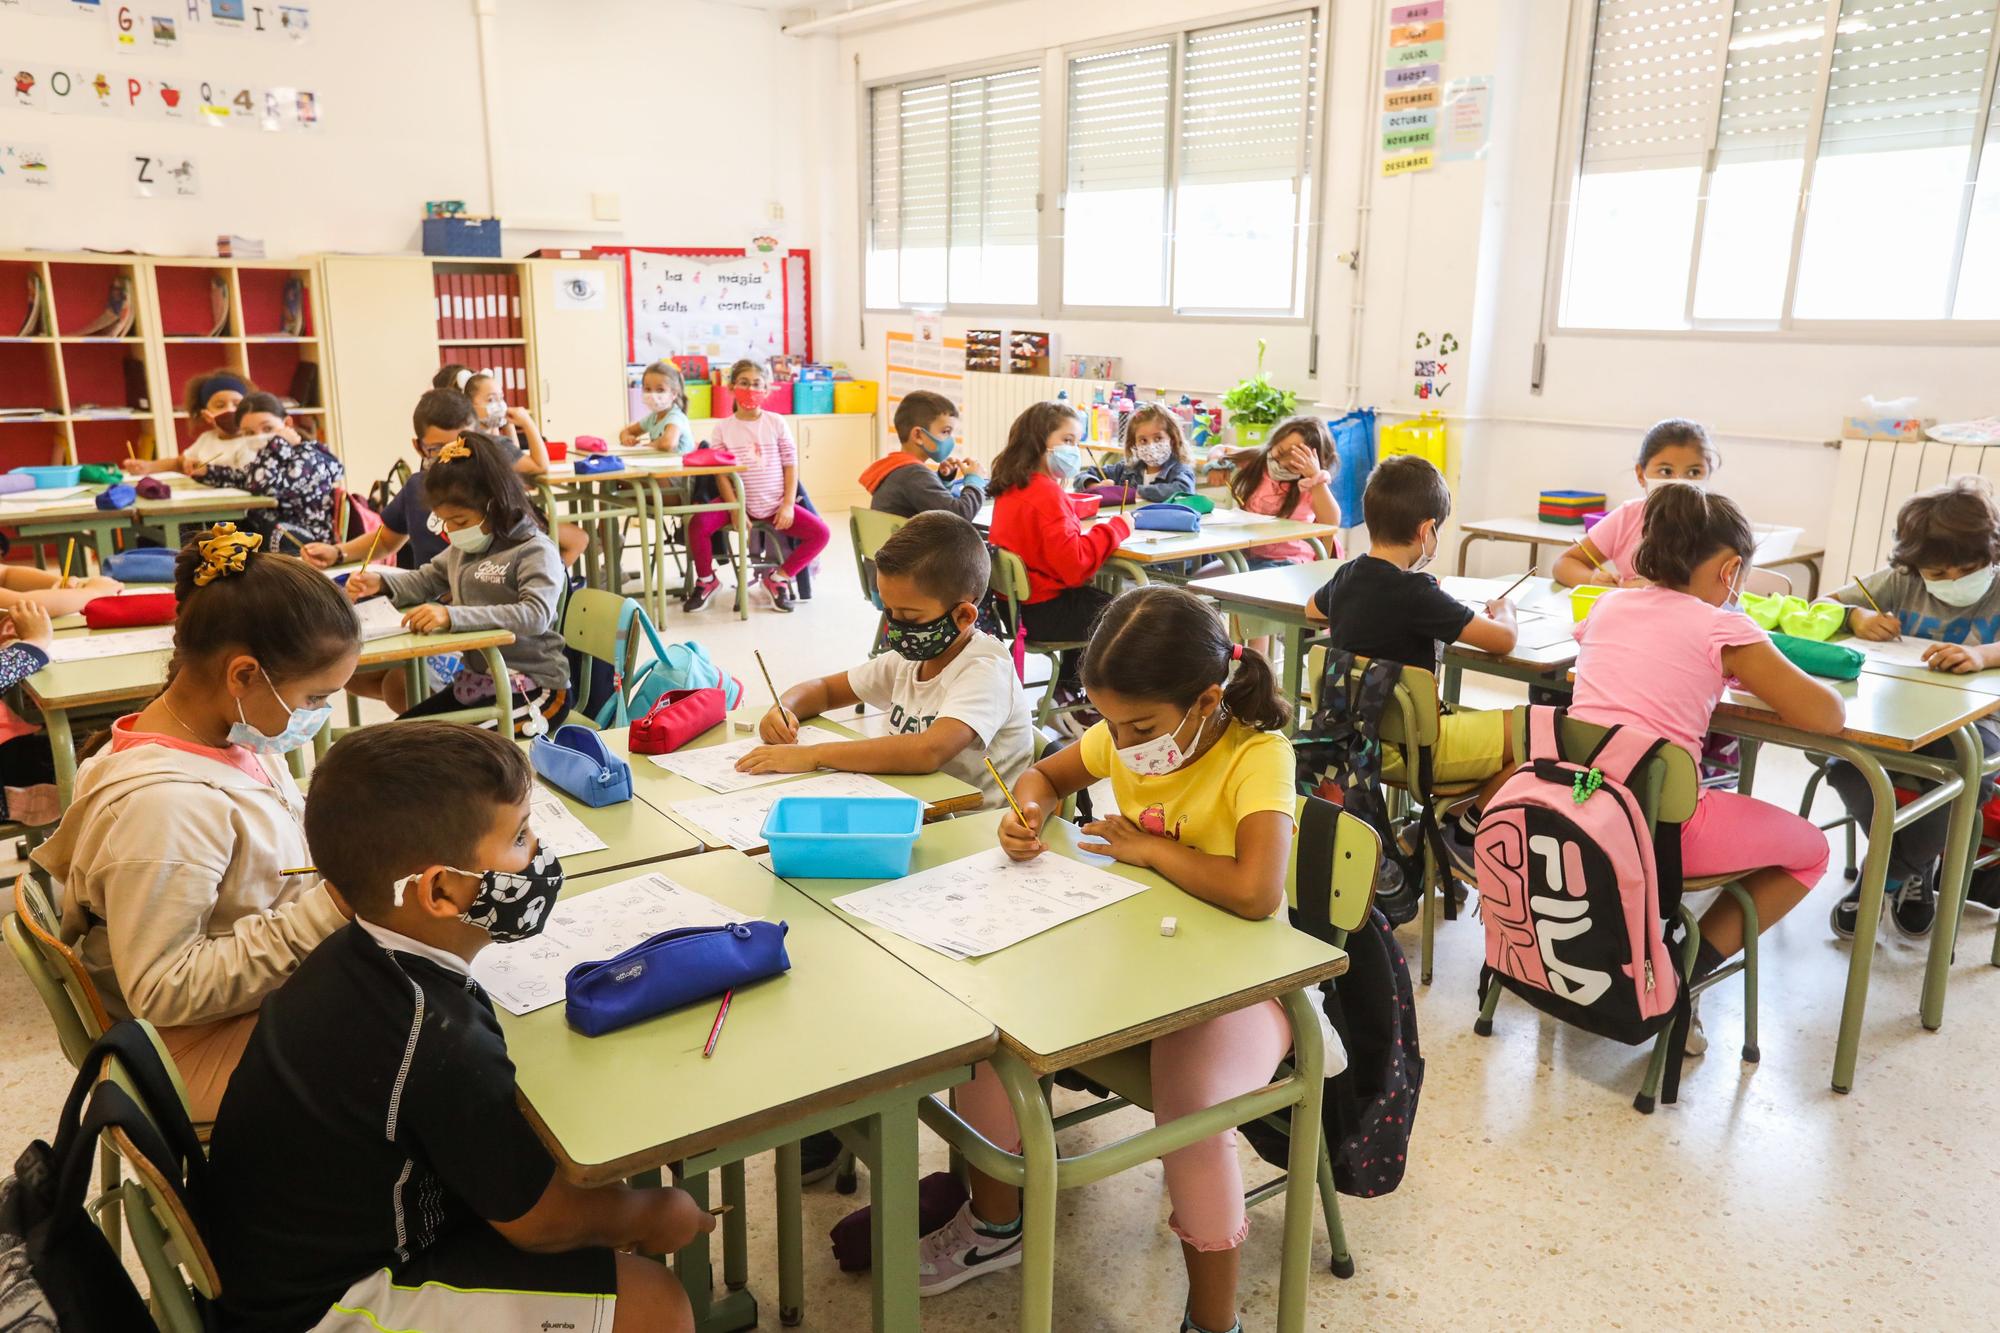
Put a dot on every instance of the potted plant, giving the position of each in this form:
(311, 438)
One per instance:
(1255, 405)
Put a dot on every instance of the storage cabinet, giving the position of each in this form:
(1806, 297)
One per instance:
(833, 452)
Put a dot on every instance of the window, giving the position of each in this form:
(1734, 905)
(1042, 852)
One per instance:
(953, 191)
(1186, 184)
(1769, 163)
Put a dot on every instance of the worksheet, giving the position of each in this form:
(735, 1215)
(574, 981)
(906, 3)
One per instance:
(1538, 631)
(119, 643)
(379, 619)
(557, 828)
(985, 902)
(738, 818)
(1900, 652)
(588, 928)
(42, 495)
(1234, 518)
(714, 766)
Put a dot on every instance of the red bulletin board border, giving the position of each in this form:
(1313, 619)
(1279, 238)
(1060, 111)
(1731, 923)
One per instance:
(623, 254)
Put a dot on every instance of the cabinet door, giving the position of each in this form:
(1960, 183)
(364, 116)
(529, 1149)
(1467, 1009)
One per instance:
(576, 333)
(381, 333)
(832, 456)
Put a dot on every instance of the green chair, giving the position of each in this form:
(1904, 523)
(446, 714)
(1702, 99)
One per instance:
(594, 624)
(1667, 787)
(1326, 912)
(1009, 581)
(1410, 727)
(869, 529)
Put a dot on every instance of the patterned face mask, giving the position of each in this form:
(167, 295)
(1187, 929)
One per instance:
(513, 905)
(924, 641)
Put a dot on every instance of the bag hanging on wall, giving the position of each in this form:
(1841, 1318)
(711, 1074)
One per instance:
(1422, 436)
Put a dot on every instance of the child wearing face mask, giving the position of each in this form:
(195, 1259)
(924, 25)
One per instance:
(1033, 519)
(177, 858)
(509, 427)
(1658, 658)
(424, 1198)
(1156, 466)
(500, 571)
(1290, 478)
(211, 407)
(926, 473)
(665, 425)
(1673, 450)
(295, 472)
(1382, 604)
(1204, 787)
(949, 690)
(1938, 586)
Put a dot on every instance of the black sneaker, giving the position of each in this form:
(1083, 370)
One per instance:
(1913, 906)
(1845, 912)
(819, 1154)
(704, 589)
(1985, 887)
(782, 595)
(1458, 847)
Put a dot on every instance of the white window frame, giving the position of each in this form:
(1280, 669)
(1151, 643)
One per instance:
(1787, 327)
(1054, 63)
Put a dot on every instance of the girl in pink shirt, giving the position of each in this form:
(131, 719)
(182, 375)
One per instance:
(1291, 477)
(1658, 659)
(770, 484)
(1673, 450)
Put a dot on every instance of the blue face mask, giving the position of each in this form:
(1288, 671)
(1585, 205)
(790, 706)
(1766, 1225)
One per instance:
(940, 447)
(1064, 460)
(303, 725)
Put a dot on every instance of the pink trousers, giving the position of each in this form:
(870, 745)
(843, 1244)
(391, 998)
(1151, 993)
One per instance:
(808, 532)
(1733, 832)
(1193, 1069)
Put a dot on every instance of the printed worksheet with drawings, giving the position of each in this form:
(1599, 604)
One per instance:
(982, 903)
(714, 766)
(557, 828)
(121, 643)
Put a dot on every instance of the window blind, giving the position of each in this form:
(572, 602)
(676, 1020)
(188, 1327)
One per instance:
(885, 137)
(1118, 128)
(996, 140)
(1245, 100)
(1770, 84)
(1907, 74)
(1656, 72)
(925, 166)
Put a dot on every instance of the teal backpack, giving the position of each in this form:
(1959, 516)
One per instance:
(676, 666)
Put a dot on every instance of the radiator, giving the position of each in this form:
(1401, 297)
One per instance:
(993, 401)
(1875, 477)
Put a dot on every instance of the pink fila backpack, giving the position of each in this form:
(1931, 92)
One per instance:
(1577, 895)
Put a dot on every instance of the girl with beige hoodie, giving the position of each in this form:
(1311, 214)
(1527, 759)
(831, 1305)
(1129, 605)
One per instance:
(170, 859)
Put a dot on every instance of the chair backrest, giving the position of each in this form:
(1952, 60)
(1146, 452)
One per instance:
(595, 624)
(1767, 583)
(1356, 856)
(1009, 578)
(1667, 786)
(54, 970)
(164, 1235)
(870, 528)
(1414, 718)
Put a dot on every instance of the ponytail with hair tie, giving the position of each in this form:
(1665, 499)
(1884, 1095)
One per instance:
(224, 553)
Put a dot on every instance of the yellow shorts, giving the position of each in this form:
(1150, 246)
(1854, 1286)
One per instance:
(1470, 748)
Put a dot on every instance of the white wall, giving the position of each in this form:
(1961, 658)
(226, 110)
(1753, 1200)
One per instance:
(1461, 248)
(699, 114)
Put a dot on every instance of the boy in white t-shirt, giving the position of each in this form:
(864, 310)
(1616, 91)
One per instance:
(950, 691)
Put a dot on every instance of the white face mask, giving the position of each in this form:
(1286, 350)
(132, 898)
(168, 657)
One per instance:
(1651, 484)
(657, 402)
(1429, 555)
(1961, 591)
(493, 411)
(472, 541)
(1154, 454)
(300, 727)
(1280, 473)
(1162, 754)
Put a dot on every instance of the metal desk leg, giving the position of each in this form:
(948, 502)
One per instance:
(63, 745)
(735, 1230)
(1875, 866)
(1302, 1163)
(892, 1183)
(1295, 668)
(1038, 1194)
(1952, 883)
(503, 692)
(735, 1311)
(791, 1249)
(739, 518)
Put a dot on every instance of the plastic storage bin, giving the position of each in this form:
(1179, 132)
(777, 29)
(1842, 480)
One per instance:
(462, 238)
(843, 837)
(45, 477)
(779, 399)
(854, 395)
(812, 397)
(1583, 598)
(1085, 506)
(721, 402)
(698, 408)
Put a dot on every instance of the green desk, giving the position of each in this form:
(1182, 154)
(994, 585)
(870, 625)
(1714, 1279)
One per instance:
(193, 505)
(1536, 534)
(1106, 983)
(655, 500)
(1225, 541)
(848, 1038)
(76, 518)
(63, 688)
(941, 794)
(634, 832)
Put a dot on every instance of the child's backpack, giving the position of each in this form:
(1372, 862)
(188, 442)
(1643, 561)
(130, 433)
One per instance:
(353, 516)
(678, 666)
(54, 1262)
(1574, 888)
(1339, 757)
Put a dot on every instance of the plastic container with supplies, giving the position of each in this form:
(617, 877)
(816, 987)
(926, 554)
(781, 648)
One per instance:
(854, 395)
(1422, 436)
(812, 397)
(698, 392)
(778, 398)
(45, 477)
(1085, 506)
(843, 837)
(721, 401)
(1581, 599)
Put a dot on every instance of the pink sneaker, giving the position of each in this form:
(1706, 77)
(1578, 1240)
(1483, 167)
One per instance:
(958, 1252)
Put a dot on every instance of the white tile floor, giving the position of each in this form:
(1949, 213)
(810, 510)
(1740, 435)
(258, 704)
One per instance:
(1535, 1194)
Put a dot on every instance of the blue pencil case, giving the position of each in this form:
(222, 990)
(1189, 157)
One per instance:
(576, 761)
(679, 967)
(591, 465)
(1166, 518)
(143, 564)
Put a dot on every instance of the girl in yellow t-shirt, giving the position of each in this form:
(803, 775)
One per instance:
(1205, 797)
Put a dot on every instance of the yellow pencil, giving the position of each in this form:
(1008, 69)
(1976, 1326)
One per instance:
(301, 870)
(987, 760)
(371, 545)
(1869, 595)
(69, 553)
(775, 700)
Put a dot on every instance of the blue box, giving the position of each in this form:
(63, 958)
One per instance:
(843, 837)
(462, 238)
(812, 398)
(46, 478)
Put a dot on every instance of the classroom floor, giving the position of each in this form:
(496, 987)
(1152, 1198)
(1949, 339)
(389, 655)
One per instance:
(1535, 1193)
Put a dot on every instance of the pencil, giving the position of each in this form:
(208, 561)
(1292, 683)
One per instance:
(301, 870)
(1869, 595)
(715, 1032)
(776, 701)
(371, 545)
(720, 1209)
(988, 761)
(69, 554)
(1515, 584)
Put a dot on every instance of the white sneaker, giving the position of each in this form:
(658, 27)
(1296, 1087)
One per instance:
(958, 1252)
(1697, 1040)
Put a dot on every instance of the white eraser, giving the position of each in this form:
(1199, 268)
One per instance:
(1169, 924)
(742, 728)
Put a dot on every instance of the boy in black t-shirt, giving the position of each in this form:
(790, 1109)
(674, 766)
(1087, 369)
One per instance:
(371, 1167)
(1381, 605)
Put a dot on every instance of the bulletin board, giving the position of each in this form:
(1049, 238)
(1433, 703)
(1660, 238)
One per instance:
(718, 303)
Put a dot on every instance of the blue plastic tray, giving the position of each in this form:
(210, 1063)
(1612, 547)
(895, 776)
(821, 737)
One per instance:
(843, 837)
(48, 476)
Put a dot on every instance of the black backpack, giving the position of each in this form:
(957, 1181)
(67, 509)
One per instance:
(1340, 757)
(42, 1217)
(1369, 1108)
